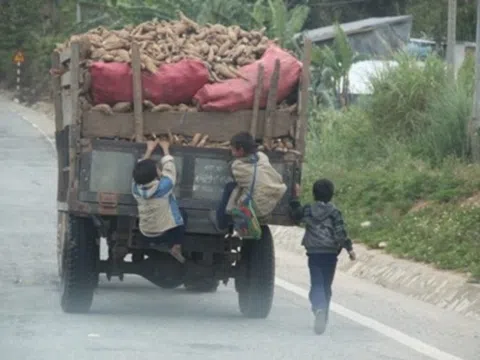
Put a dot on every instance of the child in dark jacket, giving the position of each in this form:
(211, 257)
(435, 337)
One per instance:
(325, 237)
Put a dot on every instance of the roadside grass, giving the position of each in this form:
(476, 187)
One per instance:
(407, 189)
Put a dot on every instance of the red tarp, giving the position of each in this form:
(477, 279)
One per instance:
(172, 83)
(237, 94)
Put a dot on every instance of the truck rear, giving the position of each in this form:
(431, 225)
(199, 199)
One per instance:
(97, 149)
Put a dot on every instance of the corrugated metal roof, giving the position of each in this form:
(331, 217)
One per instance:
(328, 32)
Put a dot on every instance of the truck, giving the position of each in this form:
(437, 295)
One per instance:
(94, 200)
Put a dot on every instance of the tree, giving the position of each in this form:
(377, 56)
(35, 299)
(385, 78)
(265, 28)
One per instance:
(335, 63)
(430, 19)
(281, 23)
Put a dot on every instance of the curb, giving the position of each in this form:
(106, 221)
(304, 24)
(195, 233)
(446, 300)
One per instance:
(447, 290)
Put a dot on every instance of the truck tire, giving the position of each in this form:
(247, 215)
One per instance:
(207, 285)
(80, 259)
(256, 286)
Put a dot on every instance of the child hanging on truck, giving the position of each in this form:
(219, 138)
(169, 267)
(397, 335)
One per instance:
(249, 166)
(160, 219)
(325, 237)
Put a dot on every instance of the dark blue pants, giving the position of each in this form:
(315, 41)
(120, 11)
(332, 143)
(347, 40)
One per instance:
(171, 237)
(223, 219)
(322, 271)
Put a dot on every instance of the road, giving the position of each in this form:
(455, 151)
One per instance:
(135, 320)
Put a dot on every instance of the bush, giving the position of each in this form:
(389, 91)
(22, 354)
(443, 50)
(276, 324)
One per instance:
(416, 104)
(445, 126)
(401, 95)
(347, 136)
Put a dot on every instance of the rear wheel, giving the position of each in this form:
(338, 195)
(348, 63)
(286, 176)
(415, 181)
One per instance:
(80, 260)
(256, 281)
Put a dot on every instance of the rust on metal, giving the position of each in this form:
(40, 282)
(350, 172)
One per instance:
(107, 203)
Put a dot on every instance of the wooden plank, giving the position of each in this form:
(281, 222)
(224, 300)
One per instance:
(66, 79)
(66, 106)
(137, 92)
(219, 126)
(65, 55)
(74, 120)
(256, 100)
(75, 82)
(97, 124)
(57, 93)
(302, 120)
(271, 105)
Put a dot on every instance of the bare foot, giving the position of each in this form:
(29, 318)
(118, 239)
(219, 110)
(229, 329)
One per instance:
(176, 252)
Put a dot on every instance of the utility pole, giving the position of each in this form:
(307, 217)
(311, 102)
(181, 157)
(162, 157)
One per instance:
(451, 37)
(475, 123)
(79, 12)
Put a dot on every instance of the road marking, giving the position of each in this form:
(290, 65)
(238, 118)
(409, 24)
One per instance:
(39, 129)
(396, 335)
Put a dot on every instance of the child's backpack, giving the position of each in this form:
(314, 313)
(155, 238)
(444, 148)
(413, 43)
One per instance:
(245, 221)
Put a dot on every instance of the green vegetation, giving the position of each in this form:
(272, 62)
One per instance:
(400, 160)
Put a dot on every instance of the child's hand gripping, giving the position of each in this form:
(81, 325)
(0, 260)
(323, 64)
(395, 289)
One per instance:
(297, 191)
(352, 255)
(151, 146)
(164, 145)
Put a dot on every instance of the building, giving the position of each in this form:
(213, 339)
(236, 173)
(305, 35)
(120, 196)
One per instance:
(375, 37)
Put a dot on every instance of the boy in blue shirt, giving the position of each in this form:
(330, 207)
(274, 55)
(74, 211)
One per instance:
(160, 218)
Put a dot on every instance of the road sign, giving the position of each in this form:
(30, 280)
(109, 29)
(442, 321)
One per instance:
(19, 57)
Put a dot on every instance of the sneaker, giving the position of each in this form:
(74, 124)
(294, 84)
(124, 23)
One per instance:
(212, 215)
(320, 321)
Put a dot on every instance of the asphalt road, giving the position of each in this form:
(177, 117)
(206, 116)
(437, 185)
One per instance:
(135, 320)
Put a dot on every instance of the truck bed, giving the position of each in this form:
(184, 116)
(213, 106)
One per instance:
(97, 151)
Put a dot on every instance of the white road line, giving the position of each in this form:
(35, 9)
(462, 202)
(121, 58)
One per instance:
(48, 138)
(398, 336)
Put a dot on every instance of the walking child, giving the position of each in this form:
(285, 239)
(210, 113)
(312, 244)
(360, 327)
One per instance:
(160, 219)
(325, 237)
